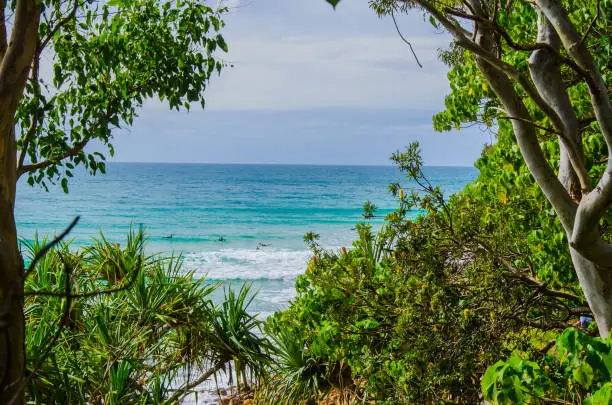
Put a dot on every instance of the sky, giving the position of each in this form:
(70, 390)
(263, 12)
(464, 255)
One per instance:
(310, 85)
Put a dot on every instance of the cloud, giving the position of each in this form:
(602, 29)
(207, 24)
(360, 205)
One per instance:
(310, 72)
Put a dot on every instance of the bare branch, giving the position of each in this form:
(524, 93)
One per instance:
(18, 57)
(547, 347)
(218, 366)
(42, 252)
(61, 324)
(547, 129)
(572, 41)
(545, 72)
(532, 282)
(585, 236)
(405, 40)
(515, 45)
(97, 293)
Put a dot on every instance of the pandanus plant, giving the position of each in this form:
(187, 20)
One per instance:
(106, 324)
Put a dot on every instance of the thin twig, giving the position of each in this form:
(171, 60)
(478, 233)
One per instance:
(405, 40)
(42, 252)
(551, 130)
(588, 31)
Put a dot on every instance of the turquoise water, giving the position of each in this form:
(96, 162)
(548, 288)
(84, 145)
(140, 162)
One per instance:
(246, 204)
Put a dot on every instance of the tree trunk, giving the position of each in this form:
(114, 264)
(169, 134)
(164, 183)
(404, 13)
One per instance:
(594, 272)
(545, 71)
(596, 283)
(14, 70)
(567, 176)
(12, 336)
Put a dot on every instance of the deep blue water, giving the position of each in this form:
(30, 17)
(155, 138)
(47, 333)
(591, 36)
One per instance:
(246, 204)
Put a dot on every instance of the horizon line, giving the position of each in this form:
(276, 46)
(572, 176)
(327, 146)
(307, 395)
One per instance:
(278, 164)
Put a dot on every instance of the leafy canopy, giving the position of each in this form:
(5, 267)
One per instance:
(97, 63)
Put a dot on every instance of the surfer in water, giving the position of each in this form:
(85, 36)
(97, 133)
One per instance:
(262, 245)
(221, 238)
(169, 236)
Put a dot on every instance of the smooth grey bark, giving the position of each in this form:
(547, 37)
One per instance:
(596, 283)
(585, 237)
(545, 70)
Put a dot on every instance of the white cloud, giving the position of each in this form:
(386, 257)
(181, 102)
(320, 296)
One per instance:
(314, 72)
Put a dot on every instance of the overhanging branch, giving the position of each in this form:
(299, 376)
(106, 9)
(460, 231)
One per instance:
(74, 150)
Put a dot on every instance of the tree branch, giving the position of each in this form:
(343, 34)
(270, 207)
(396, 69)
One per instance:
(76, 149)
(34, 123)
(3, 42)
(127, 286)
(515, 45)
(541, 287)
(18, 57)
(405, 40)
(68, 18)
(183, 391)
(547, 129)
(546, 75)
(575, 47)
(585, 236)
(498, 74)
(62, 323)
(504, 67)
(42, 252)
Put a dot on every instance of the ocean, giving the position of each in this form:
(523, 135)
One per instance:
(245, 204)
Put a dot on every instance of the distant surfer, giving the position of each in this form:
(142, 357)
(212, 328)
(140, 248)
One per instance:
(221, 238)
(169, 236)
(262, 245)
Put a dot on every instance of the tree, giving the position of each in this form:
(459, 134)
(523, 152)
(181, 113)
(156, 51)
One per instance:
(544, 66)
(71, 73)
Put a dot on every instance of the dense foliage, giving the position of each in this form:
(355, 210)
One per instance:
(417, 311)
(106, 324)
(578, 370)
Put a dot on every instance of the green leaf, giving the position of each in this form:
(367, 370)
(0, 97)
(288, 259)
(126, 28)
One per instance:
(583, 374)
(65, 185)
(334, 3)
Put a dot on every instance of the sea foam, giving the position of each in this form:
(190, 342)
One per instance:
(247, 264)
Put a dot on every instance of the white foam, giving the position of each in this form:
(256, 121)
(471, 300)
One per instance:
(248, 264)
